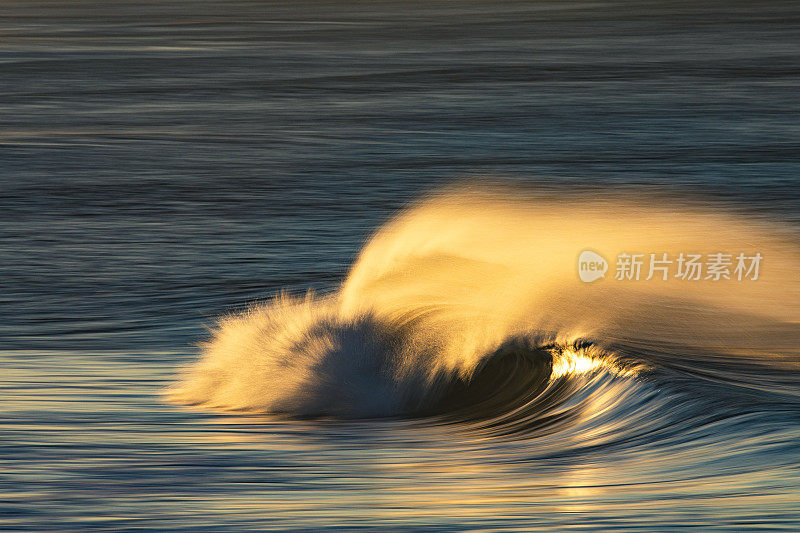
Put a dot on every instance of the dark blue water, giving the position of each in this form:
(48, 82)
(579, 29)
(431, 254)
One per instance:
(162, 163)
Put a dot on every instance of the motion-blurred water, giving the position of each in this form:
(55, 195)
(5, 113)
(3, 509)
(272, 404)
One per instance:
(162, 163)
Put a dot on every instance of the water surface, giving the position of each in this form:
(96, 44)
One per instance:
(163, 163)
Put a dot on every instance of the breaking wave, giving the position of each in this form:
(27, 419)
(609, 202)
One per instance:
(467, 308)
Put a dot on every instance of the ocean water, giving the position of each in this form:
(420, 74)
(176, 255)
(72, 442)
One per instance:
(303, 266)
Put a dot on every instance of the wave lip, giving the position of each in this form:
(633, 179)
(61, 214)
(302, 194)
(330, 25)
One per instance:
(529, 388)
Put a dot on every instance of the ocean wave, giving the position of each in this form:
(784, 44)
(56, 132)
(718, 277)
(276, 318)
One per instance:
(467, 308)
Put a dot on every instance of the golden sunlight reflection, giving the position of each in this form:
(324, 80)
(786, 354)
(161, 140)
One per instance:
(572, 361)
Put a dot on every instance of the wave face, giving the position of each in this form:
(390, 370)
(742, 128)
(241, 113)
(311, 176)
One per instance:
(468, 308)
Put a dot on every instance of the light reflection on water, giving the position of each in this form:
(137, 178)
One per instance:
(86, 440)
